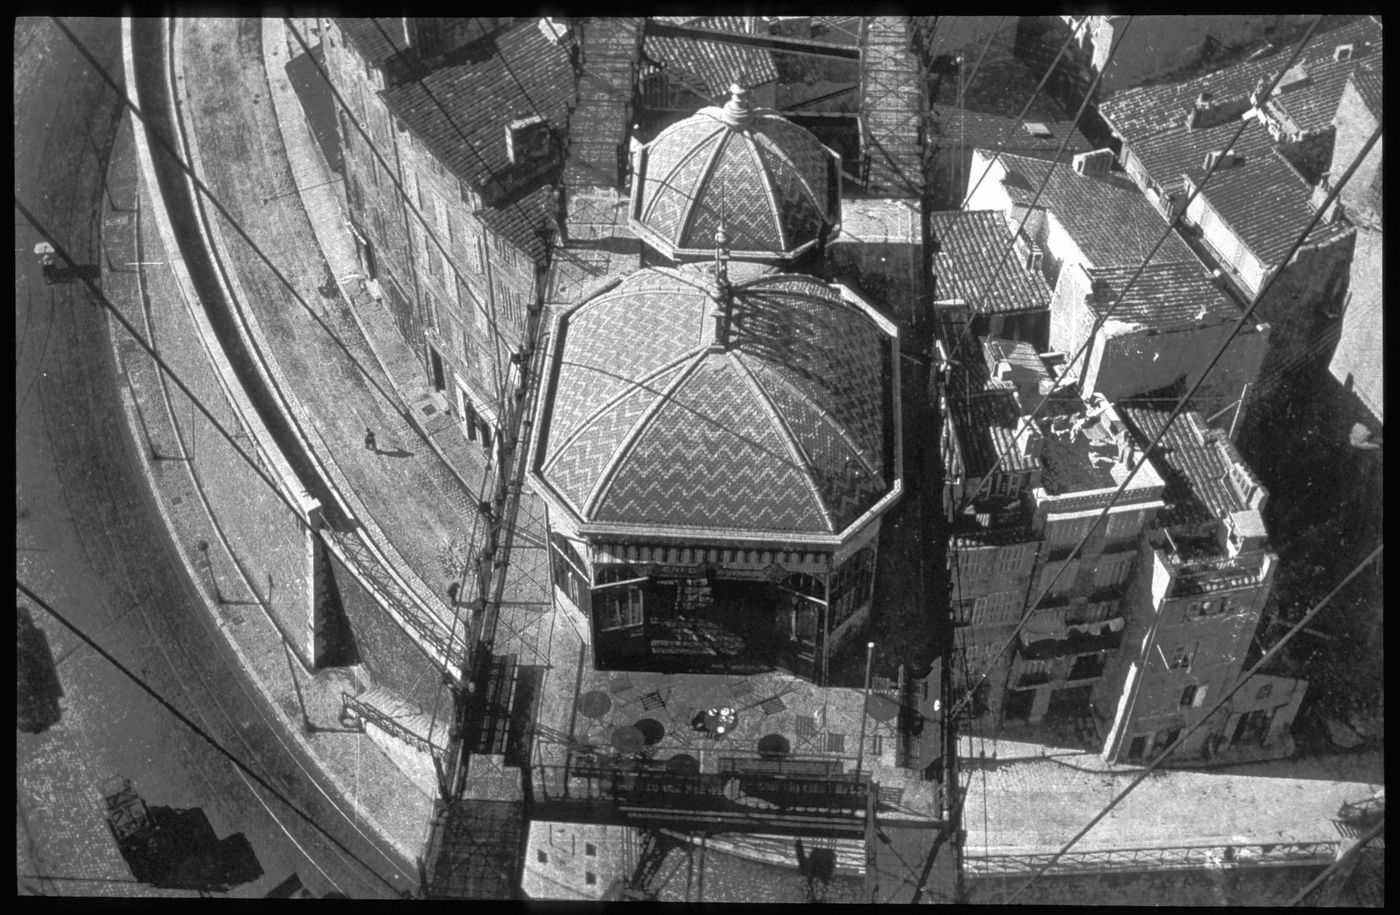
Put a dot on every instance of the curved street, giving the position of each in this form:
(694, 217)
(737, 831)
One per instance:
(81, 505)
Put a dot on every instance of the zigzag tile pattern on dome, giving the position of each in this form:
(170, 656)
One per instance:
(833, 356)
(769, 177)
(846, 483)
(785, 431)
(638, 333)
(576, 465)
(674, 195)
(745, 472)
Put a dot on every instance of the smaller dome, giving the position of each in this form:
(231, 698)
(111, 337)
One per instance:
(773, 184)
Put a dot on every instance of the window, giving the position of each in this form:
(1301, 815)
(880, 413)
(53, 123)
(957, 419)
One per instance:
(1122, 525)
(1180, 659)
(850, 586)
(973, 564)
(1264, 692)
(994, 609)
(541, 856)
(1193, 696)
(569, 574)
(1011, 560)
(618, 607)
(1066, 532)
(590, 849)
(1112, 570)
(590, 878)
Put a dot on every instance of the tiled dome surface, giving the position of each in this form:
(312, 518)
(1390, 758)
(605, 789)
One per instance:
(775, 185)
(788, 430)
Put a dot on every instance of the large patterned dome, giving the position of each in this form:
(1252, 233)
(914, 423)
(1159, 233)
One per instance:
(780, 422)
(774, 185)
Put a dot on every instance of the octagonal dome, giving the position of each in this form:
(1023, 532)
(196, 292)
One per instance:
(783, 427)
(774, 185)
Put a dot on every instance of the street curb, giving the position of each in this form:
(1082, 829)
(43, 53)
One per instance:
(292, 729)
(408, 580)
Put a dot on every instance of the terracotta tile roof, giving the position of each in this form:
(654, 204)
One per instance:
(1369, 85)
(786, 431)
(959, 127)
(516, 74)
(985, 414)
(376, 40)
(1165, 296)
(968, 245)
(523, 221)
(1193, 459)
(1169, 155)
(715, 63)
(1108, 218)
(986, 427)
(774, 183)
(1266, 202)
(1148, 110)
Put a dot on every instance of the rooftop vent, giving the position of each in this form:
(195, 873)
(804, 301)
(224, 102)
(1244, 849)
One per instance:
(1343, 52)
(527, 140)
(1226, 160)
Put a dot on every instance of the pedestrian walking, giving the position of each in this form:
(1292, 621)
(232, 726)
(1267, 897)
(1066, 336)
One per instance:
(452, 590)
(370, 443)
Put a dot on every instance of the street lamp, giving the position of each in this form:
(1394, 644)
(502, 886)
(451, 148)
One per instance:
(864, 707)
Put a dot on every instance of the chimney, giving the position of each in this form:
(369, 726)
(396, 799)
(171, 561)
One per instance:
(1208, 111)
(1226, 160)
(1003, 370)
(1094, 164)
(527, 140)
(555, 31)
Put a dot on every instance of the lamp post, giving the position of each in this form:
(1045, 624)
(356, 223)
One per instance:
(864, 707)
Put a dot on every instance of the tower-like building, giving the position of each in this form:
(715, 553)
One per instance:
(718, 441)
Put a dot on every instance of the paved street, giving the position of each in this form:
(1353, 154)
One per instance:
(81, 505)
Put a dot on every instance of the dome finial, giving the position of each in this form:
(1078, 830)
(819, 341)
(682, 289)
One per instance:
(738, 111)
(723, 294)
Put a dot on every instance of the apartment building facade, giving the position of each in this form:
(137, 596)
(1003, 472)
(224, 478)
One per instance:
(451, 195)
(1202, 579)
(1020, 494)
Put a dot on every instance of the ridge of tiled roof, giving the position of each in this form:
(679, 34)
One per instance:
(1266, 202)
(524, 221)
(1369, 85)
(518, 74)
(376, 40)
(970, 243)
(715, 63)
(1169, 155)
(1193, 459)
(1165, 296)
(1108, 217)
(1147, 110)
